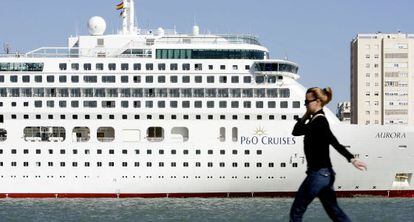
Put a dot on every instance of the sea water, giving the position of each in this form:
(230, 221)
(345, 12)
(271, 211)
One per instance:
(197, 209)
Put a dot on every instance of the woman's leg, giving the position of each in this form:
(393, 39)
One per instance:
(308, 190)
(330, 204)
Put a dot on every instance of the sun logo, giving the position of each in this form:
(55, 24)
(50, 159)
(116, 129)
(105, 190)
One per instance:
(260, 131)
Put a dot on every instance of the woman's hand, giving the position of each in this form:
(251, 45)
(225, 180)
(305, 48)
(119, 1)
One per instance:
(359, 164)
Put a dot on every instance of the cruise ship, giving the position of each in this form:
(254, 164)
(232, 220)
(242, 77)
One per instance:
(156, 113)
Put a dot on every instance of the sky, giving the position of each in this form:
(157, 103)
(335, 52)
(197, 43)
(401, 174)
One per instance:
(315, 34)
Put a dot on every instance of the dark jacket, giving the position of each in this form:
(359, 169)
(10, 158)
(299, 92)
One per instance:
(318, 137)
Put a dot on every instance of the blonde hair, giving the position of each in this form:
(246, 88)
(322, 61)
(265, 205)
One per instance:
(324, 95)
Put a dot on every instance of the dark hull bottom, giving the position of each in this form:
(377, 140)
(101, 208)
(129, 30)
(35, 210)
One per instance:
(361, 193)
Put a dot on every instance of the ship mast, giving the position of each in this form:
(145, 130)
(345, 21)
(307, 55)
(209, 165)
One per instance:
(128, 18)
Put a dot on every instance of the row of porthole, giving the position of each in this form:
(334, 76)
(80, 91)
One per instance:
(156, 117)
(149, 164)
(159, 177)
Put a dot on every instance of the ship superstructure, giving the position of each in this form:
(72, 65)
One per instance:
(155, 113)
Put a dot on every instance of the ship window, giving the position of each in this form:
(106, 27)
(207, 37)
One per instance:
(296, 104)
(149, 79)
(99, 66)
(271, 104)
(173, 66)
(186, 79)
(198, 66)
(161, 66)
(210, 79)
(180, 133)
(247, 67)
(50, 103)
(149, 104)
(3, 135)
(260, 79)
(223, 79)
(63, 66)
(136, 79)
(247, 79)
(26, 78)
(282, 164)
(235, 67)
(61, 79)
(112, 66)
(124, 66)
(80, 134)
(90, 104)
(222, 136)
(87, 66)
(106, 134)
(44, 134)
(283, 117)
(186, 66)
(284, 93)
(137, 66)
(38, 79)
(90, 79)
(155, 134)
(283, 104)
(75, 66)
(50, 78)
(271, 165)
(234, 79)
(222, 67)
(124, 79)
(198, 79)
(198, 104)
(234, 132)
(247, 104)
(246, 164)
(259, 104)
(149, 66)
(74, 104)
(161, 79)
(108, 79)
(75, 79)
(223, 104)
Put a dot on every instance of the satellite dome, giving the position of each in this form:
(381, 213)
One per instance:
(96, 26)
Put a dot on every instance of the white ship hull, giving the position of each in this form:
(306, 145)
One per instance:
(385, 157)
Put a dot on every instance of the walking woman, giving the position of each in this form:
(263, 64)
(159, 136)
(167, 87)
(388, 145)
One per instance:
(320, 175)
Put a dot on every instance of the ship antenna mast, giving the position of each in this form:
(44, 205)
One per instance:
(128, 18)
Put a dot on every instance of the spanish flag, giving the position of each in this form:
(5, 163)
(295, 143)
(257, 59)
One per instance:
(120, 6)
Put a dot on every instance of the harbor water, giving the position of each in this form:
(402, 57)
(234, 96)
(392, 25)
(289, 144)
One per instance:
(197, 209)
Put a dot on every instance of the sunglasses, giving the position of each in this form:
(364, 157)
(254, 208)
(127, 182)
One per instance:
(309, 101)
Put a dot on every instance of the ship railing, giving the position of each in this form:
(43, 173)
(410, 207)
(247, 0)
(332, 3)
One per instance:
(209, 39)
(66, 52)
